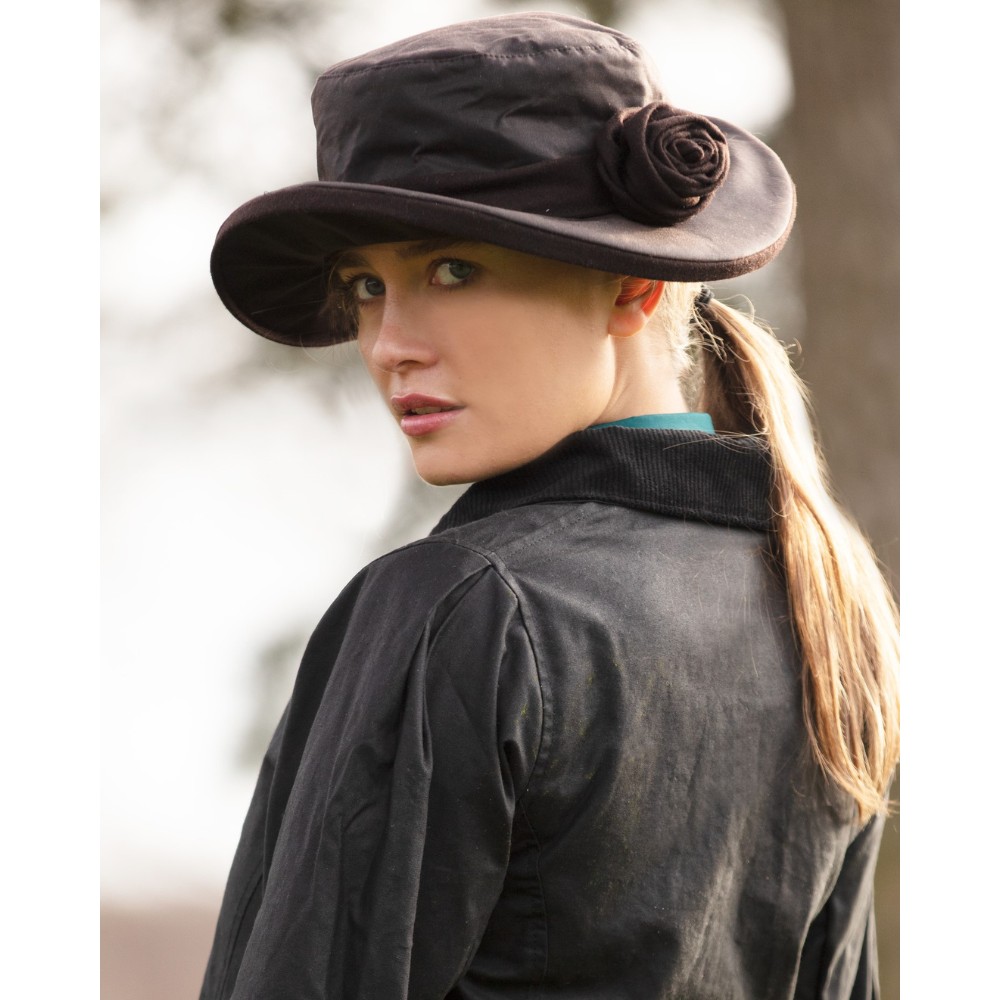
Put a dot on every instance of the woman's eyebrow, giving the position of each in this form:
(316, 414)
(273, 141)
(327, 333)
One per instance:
(348, 258)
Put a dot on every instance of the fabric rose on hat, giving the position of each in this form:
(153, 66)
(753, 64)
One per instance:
(661, 165)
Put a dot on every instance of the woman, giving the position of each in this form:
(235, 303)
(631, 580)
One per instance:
(623, 725)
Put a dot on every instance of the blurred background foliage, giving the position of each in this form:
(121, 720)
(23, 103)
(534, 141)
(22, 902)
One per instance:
(206, 103)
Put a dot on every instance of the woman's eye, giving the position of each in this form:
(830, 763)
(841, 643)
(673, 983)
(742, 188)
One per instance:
(365, 288)
(452, 272)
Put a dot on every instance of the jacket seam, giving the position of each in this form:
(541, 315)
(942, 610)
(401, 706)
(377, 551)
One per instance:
(507, 578)
(541, 893)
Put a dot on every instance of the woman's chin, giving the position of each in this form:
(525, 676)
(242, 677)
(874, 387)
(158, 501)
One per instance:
(439, 466)
(444, 478)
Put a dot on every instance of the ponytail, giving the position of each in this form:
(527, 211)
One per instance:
(845, 618)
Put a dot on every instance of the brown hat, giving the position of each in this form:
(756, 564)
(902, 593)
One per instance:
(537, 132)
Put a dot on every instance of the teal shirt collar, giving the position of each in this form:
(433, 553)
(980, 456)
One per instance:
(671, 421)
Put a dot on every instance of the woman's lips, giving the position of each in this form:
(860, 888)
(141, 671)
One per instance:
(417, 425)
(419, 414)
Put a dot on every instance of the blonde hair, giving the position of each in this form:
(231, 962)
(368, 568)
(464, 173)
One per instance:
(845, 617)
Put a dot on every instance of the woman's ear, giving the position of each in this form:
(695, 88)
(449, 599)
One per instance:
(635, 304)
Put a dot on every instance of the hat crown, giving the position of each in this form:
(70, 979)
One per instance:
(491, 94)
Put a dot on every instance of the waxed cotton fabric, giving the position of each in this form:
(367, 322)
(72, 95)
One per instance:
(556, 750)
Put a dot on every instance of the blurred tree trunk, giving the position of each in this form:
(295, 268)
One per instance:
(842, 146)
(843, 151)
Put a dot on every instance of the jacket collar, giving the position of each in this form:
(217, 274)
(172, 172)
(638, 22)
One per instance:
(719, 479)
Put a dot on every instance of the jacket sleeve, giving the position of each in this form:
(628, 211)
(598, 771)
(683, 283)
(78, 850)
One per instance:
(411, 733)
(840, 959)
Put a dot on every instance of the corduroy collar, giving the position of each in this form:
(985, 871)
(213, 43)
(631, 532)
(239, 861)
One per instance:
(687, 474)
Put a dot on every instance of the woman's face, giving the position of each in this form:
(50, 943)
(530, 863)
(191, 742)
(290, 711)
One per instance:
(486, 357)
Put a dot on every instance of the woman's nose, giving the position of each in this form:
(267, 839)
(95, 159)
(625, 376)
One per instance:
(400, 339)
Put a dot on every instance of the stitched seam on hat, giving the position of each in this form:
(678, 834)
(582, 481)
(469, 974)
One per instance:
(361, 70)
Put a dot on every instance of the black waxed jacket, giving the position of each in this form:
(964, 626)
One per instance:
(556, 750)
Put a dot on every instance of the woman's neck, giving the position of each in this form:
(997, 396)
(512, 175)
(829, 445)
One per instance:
(645, 382)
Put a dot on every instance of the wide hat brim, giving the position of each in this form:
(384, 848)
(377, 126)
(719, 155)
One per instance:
(272, 257)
